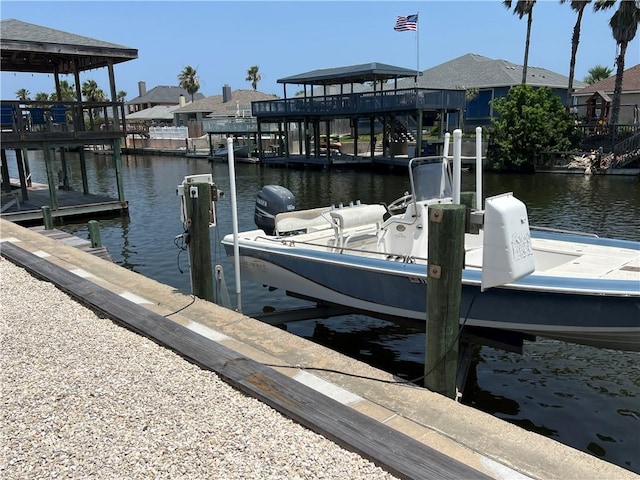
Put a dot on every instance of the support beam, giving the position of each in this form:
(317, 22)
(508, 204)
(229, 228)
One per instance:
(51, 178)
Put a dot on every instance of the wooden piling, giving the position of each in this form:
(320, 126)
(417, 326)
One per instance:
(468, 199)
(94, 234)
(47, 218)
(198, 216)
(444, 291)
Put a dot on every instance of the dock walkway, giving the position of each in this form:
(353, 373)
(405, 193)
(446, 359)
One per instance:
(74, 241)
(408, 431)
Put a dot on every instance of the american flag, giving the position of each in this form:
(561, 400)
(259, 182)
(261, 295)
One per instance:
(405, 24)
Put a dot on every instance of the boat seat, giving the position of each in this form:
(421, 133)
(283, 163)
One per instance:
(358, 220)
(302, 220)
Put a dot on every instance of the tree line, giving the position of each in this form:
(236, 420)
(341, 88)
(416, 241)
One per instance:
(187, 79)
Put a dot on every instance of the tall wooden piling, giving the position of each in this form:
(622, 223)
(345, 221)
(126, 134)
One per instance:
(198, 216)
(444, 291)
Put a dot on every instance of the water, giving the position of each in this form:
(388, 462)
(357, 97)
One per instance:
(581, 396)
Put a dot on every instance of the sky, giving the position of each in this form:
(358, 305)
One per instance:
(223, 39)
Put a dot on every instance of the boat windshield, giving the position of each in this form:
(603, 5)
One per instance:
(430, 179)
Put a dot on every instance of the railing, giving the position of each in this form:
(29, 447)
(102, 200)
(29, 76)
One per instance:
(32, 120)
(627, 151)
(362, 103)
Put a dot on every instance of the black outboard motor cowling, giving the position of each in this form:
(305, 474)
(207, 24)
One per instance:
(270, 201)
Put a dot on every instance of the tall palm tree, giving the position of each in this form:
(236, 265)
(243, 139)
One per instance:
(577, 6)
(23, 94)
(189, 80)
(597, 73)
(522, 8)
(253, 76)
(121, 96)
(624, 25)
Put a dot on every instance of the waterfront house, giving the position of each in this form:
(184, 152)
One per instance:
(485, 79)
(162, 95)
(593, 102)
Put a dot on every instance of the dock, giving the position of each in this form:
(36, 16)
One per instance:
(407, 430)
(74, 241)
(17, 208)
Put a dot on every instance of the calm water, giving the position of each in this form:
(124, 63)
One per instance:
(581, 396)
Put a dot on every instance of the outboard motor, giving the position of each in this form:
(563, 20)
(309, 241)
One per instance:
(270, 201)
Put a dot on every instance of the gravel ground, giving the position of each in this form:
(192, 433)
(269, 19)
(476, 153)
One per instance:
(85, 398)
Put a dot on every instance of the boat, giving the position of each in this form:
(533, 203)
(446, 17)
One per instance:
(241, 153)
(372, 258)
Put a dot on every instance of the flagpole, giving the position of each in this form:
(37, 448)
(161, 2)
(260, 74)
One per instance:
(417, 46)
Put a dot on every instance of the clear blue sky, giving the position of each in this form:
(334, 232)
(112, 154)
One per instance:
(222, 39)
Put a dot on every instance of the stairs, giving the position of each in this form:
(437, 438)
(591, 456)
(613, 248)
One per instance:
(627, 151)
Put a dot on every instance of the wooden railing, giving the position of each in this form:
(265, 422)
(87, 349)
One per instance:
(37, 120)
(362, 103)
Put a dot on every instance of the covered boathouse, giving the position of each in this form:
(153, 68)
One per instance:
(64, 127)
(362, 103)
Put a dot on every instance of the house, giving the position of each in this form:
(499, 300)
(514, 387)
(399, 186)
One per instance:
(593, 103)
(160, 95)
(230, 104)
(486, 79)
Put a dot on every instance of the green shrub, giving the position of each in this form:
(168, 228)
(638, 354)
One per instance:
(529, 122)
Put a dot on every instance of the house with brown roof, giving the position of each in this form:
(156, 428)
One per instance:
(594, 101)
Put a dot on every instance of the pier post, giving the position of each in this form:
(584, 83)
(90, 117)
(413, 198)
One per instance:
(94, 233)
(22, 174)
(444, 291)
(51, 179)
(198, 218)
(468, 199)
(47, 219)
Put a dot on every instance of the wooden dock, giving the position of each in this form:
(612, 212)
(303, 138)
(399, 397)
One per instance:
(74, 241)
(70, 204)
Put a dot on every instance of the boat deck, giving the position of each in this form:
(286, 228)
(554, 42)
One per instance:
(552, 257)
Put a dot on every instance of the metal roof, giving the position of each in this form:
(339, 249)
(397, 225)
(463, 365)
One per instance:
(31, 48)
(366, 72)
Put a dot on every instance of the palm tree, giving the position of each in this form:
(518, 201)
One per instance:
(577, 6)
(92, 93)
(597, 73)
(41, 97)
(67, 92)
(189, 80)
(23, 94)
(253, 76)
(522, 8)
(624, 25)
(121, 96)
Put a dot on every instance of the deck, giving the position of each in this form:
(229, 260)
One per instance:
(70, 204)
